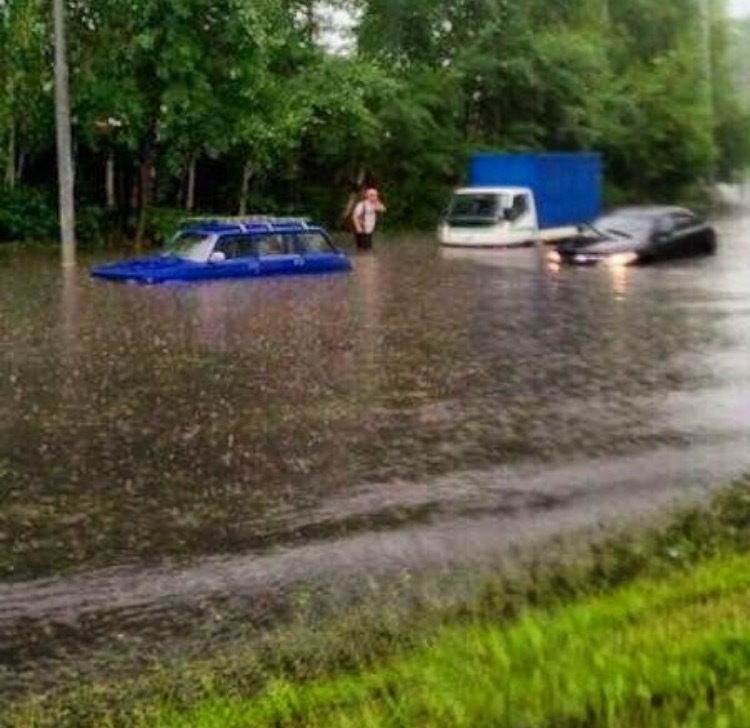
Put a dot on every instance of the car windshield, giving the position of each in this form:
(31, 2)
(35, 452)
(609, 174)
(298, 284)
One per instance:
(190, 245)
(475, 205)
(623, 226)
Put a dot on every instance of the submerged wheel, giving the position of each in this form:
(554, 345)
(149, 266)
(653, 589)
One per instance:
(709, 246)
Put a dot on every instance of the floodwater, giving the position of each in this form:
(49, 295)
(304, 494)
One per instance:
(177, 457)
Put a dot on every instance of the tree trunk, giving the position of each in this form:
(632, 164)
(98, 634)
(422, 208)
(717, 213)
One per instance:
(109, 173)
(312, 29)
(10, 167)
(64, 146)
(134, 188)
(247, 175)
(21, 166)
(145, 186)
(190, 196)
(353, 197)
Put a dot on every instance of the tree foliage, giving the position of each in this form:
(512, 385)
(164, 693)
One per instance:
(26, 118)
(225, 105)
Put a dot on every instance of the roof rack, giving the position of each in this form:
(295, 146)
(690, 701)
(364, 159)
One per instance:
(247, 223)
(241, 220)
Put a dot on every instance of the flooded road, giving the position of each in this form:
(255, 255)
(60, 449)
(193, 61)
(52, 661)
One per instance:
(175, 460)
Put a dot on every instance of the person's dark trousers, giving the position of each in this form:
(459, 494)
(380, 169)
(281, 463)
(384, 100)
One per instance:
(363, 241)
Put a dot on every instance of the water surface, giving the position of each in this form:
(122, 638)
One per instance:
(164, 448)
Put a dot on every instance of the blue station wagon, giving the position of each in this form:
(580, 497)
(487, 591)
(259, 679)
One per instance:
(234, 248)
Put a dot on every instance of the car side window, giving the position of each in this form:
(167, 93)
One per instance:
(245, 246)
(295, 244)
(664, 226)
(683, 221)
(312, 242)
(271, 244)
(230, 245)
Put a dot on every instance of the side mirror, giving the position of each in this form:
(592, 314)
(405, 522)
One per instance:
(217, 257)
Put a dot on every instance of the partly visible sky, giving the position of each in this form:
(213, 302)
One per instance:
(337, 22)
(739, 8)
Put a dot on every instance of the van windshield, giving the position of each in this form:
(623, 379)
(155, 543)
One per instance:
(475, 205)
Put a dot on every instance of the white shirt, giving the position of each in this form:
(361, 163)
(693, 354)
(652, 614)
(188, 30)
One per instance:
(366, 212)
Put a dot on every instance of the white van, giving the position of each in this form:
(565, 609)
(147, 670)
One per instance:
(495, 217)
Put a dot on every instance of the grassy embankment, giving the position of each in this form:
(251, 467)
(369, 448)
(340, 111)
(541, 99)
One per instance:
(646, 632)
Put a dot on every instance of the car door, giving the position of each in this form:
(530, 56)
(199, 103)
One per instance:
(276, 255)
(317, 252)
(240, 257)
(668, 241)
(693, 232)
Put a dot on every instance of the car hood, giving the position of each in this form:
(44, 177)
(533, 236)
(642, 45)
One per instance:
(607, 246)
(144, 268)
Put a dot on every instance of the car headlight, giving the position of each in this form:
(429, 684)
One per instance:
(622, 258)
(554, 257)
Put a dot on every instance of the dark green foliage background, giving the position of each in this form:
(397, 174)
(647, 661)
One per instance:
(248, 88)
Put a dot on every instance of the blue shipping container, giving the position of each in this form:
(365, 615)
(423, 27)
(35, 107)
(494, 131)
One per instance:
(567, 186)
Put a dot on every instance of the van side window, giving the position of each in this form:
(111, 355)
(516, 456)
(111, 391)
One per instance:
(518, 207)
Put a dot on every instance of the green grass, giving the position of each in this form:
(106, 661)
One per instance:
(651, 629)
(656, 653)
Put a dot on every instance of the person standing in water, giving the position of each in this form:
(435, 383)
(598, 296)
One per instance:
(365, 218)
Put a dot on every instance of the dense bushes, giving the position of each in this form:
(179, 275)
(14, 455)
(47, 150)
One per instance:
(30, 214)
(27, 214)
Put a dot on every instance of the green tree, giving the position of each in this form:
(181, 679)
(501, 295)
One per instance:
(659, 143)
(26, 119)
(730, 63)
(228, 105)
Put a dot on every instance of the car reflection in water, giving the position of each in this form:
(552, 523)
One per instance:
(635, 235)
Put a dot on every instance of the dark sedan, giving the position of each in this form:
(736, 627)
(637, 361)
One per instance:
(633, 235)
